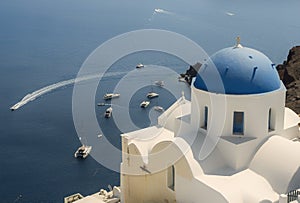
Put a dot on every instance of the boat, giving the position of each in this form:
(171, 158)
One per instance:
(159, 83)
(83, 151)
(110, 96)
(144, 104)
(17, 105)
(158, 10)
(101, 104)
(182, 79)
(73, 198)
(139, 65)
(151, 95)
(108, 112)
(113, 195)
(159, 108)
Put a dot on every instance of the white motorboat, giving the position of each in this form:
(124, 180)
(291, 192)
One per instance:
(159, 83)
(144, 104)
(83, 151)
(139, 65)
(181, 79)
(110, 96)
(101, 104)
(151, 95)
(113, 195)
(159, 108)
(108, 112)
(158, 10)
(73, 198)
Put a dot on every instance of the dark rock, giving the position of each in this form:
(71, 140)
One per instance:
(191, 73)
(289, 73)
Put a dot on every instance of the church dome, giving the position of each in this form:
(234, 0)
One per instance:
(238, 70)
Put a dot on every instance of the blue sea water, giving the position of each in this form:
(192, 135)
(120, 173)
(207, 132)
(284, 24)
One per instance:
(43, 42)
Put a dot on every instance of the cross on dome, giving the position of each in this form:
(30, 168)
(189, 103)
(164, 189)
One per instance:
(238, 42)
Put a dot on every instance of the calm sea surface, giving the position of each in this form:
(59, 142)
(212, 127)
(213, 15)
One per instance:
(43, 42)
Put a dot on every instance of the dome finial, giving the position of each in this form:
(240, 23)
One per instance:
(238, 42)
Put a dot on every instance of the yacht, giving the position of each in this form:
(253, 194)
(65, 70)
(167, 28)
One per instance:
(73, 198)
(159, 83)
(144, 104)
(158, 10)
(101, 104)
(182, 79)
(108, 112)
(139, 65)
(110, 96)
(83, 151)
(151, 95)
(159, 108)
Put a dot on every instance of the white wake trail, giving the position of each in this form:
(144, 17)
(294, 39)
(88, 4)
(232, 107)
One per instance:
(38, 93)
(230, 14)
(159, 10)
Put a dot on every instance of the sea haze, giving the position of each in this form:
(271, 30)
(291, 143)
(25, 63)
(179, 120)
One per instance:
(43, 42)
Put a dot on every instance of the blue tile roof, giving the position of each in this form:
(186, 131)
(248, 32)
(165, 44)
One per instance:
(237, 70)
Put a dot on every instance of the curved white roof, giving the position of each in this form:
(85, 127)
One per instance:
(278, 161)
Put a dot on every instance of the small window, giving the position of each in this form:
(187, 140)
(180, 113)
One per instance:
(205, 117)
(238, 123)
(270, 121)
(171, 177)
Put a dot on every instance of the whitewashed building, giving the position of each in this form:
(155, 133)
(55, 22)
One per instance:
(235, 141)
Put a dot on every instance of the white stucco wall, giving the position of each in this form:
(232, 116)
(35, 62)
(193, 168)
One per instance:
(180, 108)
(254, 167)
(291, 127)
(256, 107)
(185, 192)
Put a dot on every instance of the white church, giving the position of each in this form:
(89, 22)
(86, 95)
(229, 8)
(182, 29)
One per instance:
(235, 141)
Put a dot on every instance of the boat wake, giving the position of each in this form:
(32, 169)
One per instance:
(160, 11)
(230, 14)
(38, 93)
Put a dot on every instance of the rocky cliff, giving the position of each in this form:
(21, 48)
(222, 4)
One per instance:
(289, 73)
(191, 72)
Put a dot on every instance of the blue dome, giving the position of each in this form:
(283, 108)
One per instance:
(238, 70)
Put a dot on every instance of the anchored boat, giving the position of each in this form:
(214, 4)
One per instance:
(151, 95)
(83, 151)
(108, 112)
(139, 65)
(108, 96)
(159, 83)
(159, 108)
(144, 104)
